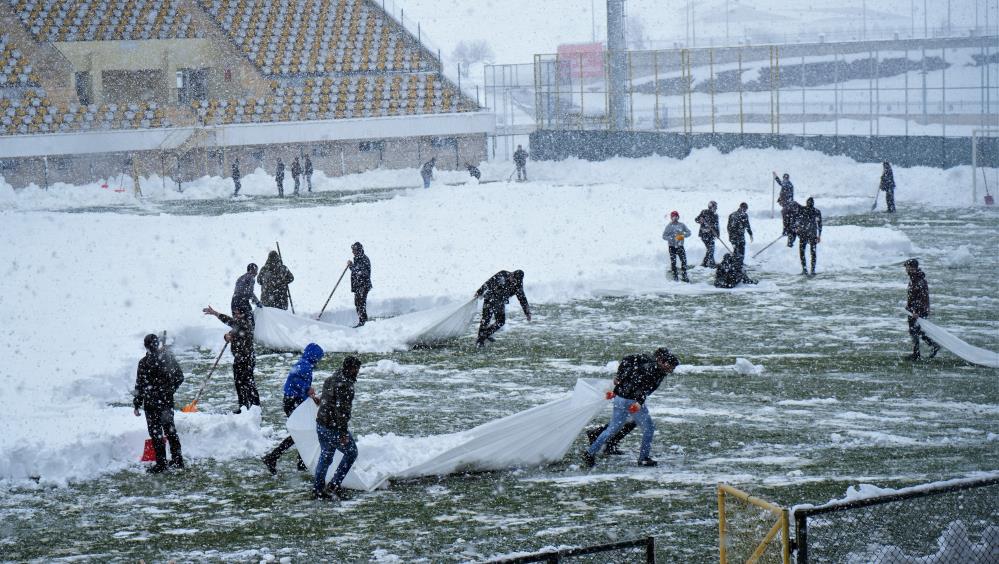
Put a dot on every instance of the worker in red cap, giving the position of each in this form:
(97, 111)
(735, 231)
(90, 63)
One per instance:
(674, 234)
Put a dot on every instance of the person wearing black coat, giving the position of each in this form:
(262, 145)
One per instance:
(274, 279)
(785, 197)
(296, 173)
(243, 296)
(496, 293)
(888, 185)
(638, 376)
(738, 227)
(427, 171)
(360, 281)
(332, 425)
(244, 359)
(473, 171)
(730, 272)
(279, 177)
(708, 220)
(308, 173)
(520, 157)
(809, 228)
(236, 177)
(157, 379)
(918, 305)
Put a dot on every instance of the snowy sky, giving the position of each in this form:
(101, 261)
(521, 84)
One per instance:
(517, 29)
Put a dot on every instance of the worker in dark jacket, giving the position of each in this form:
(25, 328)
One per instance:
(236, 177)
(360, 282)
(738, 227)
(731, 272)
(243, 296)
(332, 421)
(473, 171)
(708, 220)
(427, 171)
(888, 185)
(809, 227)
(918, 305)
(274, 278)
(308, 173)
(785, 197)
(637, 377)
(296, 390)
(496, 293)
(244, 358)
(156, 381)
(520, 160)
(296, 173)
(279, 177)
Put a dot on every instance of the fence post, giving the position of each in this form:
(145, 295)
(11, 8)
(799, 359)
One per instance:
(722, 549)
(582, 94)
(801, 538)
(741, 117)
(655, 78)
(711, 74)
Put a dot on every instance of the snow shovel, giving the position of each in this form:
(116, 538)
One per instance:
(291, 303)
(193, 406)
(876, 194)
(320, 316)
(757, 253)
(989, 200)
(717, 236)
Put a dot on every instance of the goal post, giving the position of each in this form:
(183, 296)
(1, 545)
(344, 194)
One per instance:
(984, 142)
(751, 529)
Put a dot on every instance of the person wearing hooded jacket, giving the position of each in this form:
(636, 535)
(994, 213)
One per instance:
(274, 278)
(809, 228)
(157, 379)
(496, 293)
(296, 173)
(918, 305)
(730, 272)
(332, 425)
(427, 171)
(674, 235)
(785, 197)
(638, 376)
(708, 220)
(360, 281)
(242, 295)
(738, 228)
(244, 358)
(296, 390)
(888, 185)
(279, 177)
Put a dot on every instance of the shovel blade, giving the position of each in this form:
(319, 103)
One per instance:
(190, 408)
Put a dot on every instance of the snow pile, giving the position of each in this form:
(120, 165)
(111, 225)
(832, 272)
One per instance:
(746, 368)
(113, 439)
(960, 258)
(953, 545)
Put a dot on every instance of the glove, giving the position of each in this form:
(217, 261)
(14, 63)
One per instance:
(679, 237)
(609, 395)
(633, 408)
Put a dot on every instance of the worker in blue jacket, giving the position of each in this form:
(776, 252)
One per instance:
(296, 390)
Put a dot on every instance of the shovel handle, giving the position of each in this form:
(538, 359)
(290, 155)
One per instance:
(210, 372)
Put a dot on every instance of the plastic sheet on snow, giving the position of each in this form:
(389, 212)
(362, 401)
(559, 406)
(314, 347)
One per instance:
(971, 353)
(281, 330)
(540, 435)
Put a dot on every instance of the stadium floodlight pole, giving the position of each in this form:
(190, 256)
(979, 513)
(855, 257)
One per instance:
(618, 67)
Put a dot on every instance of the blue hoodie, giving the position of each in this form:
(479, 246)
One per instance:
(300, 378)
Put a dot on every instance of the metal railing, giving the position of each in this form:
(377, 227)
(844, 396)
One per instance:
(894, 88)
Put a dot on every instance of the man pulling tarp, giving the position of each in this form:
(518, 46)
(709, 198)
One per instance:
(496, 293)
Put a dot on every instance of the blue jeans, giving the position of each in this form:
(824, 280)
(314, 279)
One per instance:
(329, 442)
(619, 418)
(426, 182)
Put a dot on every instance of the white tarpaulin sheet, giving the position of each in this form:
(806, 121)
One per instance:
(971, 353)
(281, 330)
(539, 435)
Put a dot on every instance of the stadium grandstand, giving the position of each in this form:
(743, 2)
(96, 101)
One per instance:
(182, 87)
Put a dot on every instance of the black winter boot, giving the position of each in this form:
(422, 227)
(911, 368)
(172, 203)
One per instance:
(161, 458)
